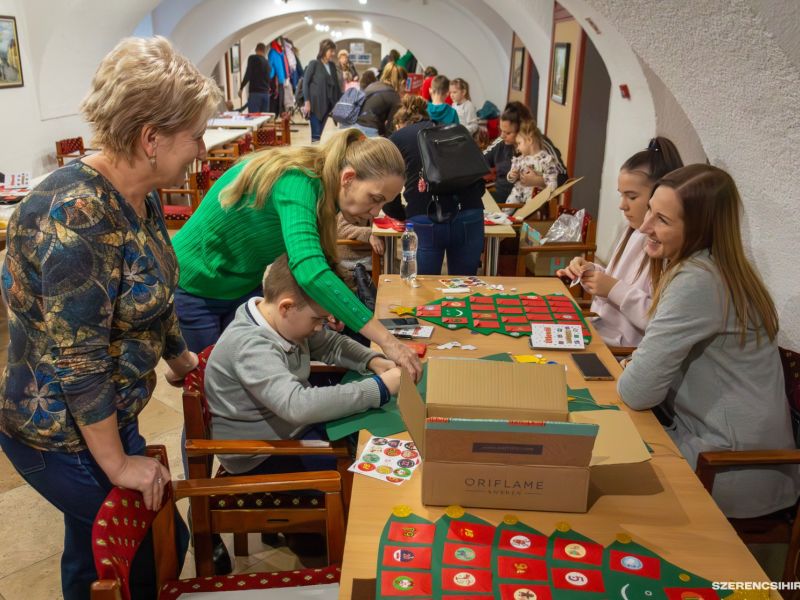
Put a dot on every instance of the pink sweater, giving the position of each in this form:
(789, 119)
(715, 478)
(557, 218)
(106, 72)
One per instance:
(622, 317)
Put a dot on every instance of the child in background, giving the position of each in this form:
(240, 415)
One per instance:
(467, 114)
(531, 157)
(256, 379)
(439, 111)
(623, 292)
(349, 257)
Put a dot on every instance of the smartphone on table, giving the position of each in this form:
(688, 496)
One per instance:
(591, 367)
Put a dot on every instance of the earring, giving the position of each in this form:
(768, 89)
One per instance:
(152, 160)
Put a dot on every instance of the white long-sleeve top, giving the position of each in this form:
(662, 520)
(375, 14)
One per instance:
(622, 317)
(467, 115)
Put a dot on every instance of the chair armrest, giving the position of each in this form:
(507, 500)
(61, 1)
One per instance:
(709, 462)
(196, 447)
(622, 351)
(354, 243)
(328, 369)
(322, 481)
(559, 247)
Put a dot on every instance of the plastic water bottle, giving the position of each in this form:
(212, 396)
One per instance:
(408, 266)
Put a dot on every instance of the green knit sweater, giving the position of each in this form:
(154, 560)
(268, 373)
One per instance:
(222, 253)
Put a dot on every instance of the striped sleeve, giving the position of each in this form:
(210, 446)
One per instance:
(295, 200)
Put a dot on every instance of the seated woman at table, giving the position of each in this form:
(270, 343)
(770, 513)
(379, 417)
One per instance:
(623, 292)
(708, 360)
(451, 223)
(285, 200)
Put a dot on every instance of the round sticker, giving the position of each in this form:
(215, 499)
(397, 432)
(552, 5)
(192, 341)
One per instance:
(391, 479)
(375, 449)
(464, 579)
(371, 458)
(366, 466)
(515, 333)
(402, 472)
(405, 462)
(409, 454)
(403, 583)
(409, 446)
(451, 326)
(394, 443)
(691, 596)
(391, 452)
(402, 555)
(380, 441)
(524, 594)
(575, 550)
(384, 470)
(520, 541)
(575, 578)
(465, 554)
(632, 563)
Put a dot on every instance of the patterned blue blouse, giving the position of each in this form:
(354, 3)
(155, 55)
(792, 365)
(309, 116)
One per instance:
(89, 287)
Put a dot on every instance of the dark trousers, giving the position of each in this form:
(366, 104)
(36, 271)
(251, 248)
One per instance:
(258, 102)
(76, 485)
(461, 239)
(203, 320)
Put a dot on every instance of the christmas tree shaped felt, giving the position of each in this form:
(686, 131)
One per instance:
(509, 314)
(518, 561)
(405, 556)
(575, 563)
(462, 556)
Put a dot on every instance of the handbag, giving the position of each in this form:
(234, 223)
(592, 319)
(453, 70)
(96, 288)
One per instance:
(451, 160)
(365, 287)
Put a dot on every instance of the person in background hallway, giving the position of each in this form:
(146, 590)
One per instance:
(345, 70)
(392, 57)
(257, 75)
(708, 363)
(89, 280)
(321, 88)
(623, 291)
(467, 115)
(381, 103)
(439, 111)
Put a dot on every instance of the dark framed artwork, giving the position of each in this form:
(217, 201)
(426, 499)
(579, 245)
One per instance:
(10, 62)
(235, 58)
(558, 83)
(517, 66)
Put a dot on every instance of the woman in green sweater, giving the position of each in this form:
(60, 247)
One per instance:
(285, 200)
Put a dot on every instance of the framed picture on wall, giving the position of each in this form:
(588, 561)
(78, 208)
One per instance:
(558, 83)
(235, 51)
(517, 65)
(10, 63)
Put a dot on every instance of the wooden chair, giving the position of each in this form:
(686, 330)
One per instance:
(194, 188)
(264, 137)
(782, 526)
(283, 129)
(123, 522)
(376, 258)
(71, 148)
(236, 510)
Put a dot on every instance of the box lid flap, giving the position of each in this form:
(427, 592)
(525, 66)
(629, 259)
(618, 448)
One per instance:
(618, 441)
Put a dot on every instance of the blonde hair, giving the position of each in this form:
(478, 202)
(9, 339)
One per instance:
(462, 85)
(393, 76)
(370, 158)
(711, 213)
(530, 130)
(413, 109)
(142, 82)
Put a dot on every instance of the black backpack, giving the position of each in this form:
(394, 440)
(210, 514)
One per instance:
(451, 160)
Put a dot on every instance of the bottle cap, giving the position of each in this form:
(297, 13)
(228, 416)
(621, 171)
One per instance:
(409, 226)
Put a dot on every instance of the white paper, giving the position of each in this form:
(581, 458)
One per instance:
(388, 459)
(557, 336)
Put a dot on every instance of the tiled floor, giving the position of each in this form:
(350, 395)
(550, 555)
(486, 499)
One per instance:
(32, 530)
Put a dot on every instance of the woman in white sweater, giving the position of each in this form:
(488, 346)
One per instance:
(708, 360)
(623, 291)
(467, 114)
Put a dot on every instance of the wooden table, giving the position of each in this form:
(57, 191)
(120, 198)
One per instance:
(214, 138)
(241, 122)
(493, 233)
(660, 504)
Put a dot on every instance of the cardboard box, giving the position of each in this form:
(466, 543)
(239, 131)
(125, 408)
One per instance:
(499, 435)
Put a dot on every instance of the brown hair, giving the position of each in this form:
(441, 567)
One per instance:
(430, 72)
(261, 47)
(440, 85)
(711, 213)
(515, 113)
(413, 109)
(659, 158)
(367, 77)
(324, 46)
(529, 130)
(278, 281)
(144, 82)
(462, 85)
(371, 158)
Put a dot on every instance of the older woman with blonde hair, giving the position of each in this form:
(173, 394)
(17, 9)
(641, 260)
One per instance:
(89, 281)
(286, 200)
(381, 103)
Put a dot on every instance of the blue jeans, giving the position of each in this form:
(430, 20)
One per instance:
(317, 125)
(461, 239)
(203, 320)
(258, 102)
(76, 485)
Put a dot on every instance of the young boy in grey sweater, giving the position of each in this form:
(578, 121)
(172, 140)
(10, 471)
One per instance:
(256, 380)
